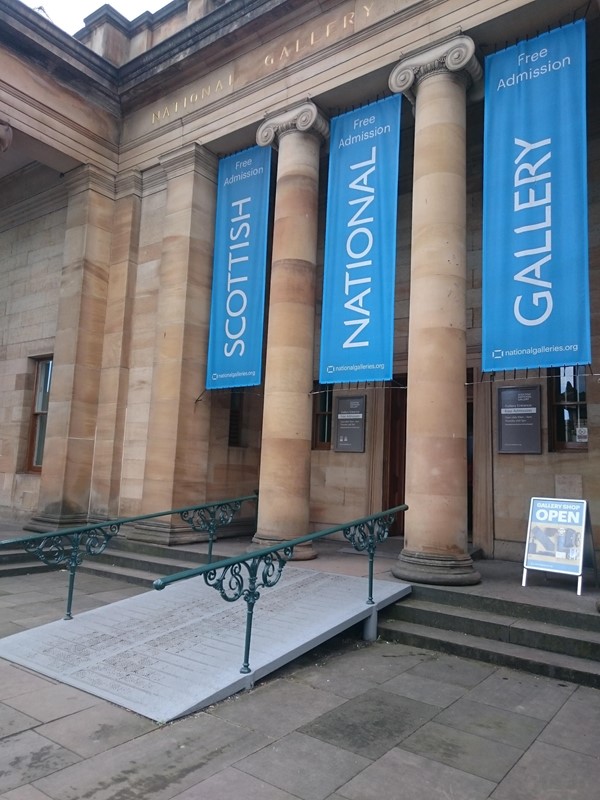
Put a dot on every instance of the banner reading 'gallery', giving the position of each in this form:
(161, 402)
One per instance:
(535, 252)
(357, 329)
(239, 270)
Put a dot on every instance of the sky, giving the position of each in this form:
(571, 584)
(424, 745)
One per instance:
(69, 15)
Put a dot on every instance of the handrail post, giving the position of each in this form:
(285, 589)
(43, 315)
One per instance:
(251, 595)
(75, 559)
(207, 519)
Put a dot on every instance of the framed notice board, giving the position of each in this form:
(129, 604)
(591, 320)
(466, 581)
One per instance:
(519, 420)
(350, 424)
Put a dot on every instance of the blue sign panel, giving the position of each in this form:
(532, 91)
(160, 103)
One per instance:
(357, 329)
(536, 306)
(239, 270)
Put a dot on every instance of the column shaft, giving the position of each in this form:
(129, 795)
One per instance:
(436, 547)
(284, 484)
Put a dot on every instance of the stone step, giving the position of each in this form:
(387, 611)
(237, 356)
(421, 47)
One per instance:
(137, 577)
(506, 607)
(529, 632)
(516, 656)
(152, 564)
(29, 566)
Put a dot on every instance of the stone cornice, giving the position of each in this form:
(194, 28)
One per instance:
(128, 184)
(190, 157)
(305, 118)
(29, 34)
(456, 55)
(90, 178)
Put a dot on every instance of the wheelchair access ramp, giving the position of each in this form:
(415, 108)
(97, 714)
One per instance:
(167, 654)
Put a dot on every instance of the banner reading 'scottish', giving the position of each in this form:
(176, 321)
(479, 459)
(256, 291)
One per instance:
(239, 270)
(357, 329)
(536, 309)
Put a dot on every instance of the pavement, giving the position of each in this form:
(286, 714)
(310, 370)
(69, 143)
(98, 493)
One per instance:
(347, 721)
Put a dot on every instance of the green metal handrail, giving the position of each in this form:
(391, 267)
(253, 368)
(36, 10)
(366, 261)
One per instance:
(68, 545)
(244, 575)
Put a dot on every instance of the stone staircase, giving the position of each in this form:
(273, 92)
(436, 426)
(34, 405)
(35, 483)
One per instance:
(141, 563)
(15, 561)
(557, 643)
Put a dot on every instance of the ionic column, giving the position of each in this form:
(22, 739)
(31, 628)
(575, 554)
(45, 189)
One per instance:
(284, 485)
(73, 406)
(175, 472)
(435, 547)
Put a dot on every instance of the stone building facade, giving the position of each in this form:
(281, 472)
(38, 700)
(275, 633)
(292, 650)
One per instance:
(109, 145)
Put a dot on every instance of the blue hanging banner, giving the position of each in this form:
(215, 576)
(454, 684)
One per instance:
(536, 304)
(235, 340)
(357, 328)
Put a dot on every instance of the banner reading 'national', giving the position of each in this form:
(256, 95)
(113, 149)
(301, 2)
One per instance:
(239, 270)
(357, 329)
(536, 309)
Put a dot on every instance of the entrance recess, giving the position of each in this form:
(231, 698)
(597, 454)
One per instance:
(395, 452)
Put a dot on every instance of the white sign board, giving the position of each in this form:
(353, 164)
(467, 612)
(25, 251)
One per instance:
(556, 536)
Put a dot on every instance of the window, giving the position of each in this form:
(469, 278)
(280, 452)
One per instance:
(567, 409)
(236, 418)
(37, 435)
(322, 416)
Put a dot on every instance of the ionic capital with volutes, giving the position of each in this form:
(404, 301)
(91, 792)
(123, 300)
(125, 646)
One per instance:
(304, 118)
(455, 56)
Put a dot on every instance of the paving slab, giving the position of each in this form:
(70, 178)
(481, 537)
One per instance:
(96, 729)
(276, 707)
(523, 693)
(158, 765)
(233, 783)
(418, 687)
(28, 756)
(464, 751)
(496, 724)
(407, 776)
(546, 771)
(577, 724)
(166, 654)
(307, 768)
(372, 723)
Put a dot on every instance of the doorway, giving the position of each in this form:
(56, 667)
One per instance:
(395, 449)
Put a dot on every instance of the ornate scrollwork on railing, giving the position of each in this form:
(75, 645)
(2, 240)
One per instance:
(245, 579)
(51, 550)
(208, 518)
(365, 535)
(259, 573)
(66, 548)
(60, 548)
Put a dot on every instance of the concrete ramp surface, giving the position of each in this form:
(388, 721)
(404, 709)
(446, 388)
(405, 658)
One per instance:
(166, 654)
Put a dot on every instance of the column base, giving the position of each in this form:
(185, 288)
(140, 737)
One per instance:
(302, 552)
(437, 569)
(164, 533)
(46, 522)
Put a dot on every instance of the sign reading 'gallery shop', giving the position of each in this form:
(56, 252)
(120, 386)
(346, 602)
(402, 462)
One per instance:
(357, 328)
(239, 270)
(535, 250)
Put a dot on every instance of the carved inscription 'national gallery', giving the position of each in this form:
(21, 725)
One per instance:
(282, 54)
